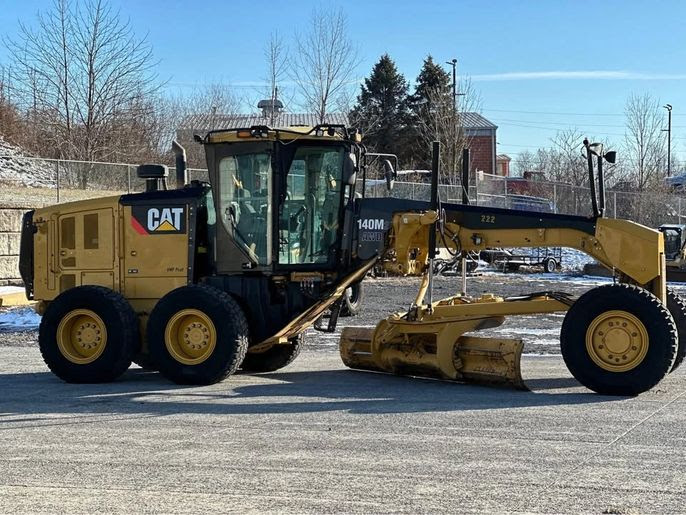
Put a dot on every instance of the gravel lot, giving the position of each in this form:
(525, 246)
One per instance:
(319, 438)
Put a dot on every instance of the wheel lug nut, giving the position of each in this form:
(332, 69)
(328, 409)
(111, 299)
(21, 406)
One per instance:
(624, 357)
(634, 335)
(624, 324)
(633, 347)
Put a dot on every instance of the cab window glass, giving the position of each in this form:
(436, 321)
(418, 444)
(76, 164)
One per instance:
(309, 214)
(244, 191)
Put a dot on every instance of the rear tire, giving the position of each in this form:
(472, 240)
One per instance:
(197, 335)
(352, 300)
(618, 339)
(275, 357)
(676, 305)
(88, 334)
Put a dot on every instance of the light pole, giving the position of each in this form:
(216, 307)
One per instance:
(453, 63)
(669, 138)
(453, 129)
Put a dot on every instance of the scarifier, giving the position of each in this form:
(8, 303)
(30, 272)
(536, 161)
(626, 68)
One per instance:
(204, 279)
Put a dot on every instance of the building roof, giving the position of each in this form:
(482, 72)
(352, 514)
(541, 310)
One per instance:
(471, 120)
(209, 121)
(503, 157)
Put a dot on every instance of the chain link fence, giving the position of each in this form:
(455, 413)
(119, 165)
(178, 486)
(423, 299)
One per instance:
(36, 181)
(650, 208)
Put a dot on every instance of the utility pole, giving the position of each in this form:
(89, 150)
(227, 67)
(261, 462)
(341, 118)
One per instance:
(453, 63)
(453, 129)
(669, 138)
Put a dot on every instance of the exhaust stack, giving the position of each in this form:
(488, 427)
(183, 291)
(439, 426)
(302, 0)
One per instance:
(181, 164)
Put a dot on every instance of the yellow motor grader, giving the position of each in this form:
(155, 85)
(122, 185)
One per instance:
(208, 278)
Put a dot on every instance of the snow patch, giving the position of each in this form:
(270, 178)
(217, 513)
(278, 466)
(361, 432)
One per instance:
(17, 169)
(19, 319)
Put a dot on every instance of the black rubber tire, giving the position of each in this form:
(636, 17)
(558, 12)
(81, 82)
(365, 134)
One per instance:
(352, 300)
(659, 324)
(676, 305)
(549, 265)
(122, 334)
(230, 324)
(274, 358)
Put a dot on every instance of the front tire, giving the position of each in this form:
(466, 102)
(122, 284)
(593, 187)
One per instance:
(618, 339)
(197, 335)
(676, 305)
(88, 334)
(274, 358)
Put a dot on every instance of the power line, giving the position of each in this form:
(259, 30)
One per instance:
(556, 129)
(559, 113)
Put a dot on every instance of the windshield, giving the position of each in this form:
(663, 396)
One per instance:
(244, 192)
(309, 213)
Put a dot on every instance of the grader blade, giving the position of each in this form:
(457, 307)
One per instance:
(495, 361)
(427, 353)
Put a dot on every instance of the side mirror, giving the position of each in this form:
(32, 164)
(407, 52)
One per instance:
(610, 157)
(389, 174)
(349, 169)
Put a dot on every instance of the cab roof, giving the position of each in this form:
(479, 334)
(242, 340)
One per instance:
(324, 132)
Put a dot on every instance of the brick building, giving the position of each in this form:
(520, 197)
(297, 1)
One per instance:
(481, 139)
(502, 165)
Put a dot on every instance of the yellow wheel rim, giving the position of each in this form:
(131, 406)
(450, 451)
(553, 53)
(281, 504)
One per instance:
(190, 337)
(617, 341)
(81, 336)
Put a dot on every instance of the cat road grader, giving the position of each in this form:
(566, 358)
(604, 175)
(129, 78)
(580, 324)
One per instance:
(205, 279)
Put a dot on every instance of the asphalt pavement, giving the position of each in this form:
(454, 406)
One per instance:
(316, 437)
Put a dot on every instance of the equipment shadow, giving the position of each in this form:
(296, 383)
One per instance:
(148, 393)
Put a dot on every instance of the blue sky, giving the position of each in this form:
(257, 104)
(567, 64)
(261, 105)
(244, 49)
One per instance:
(538, 65)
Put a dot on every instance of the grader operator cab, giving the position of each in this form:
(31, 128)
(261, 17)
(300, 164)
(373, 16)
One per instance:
(203, 279)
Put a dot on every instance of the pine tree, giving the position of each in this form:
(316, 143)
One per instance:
(432, 79)
(382, 111)
(432, 93)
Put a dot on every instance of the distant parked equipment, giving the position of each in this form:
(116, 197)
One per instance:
(509, 260)
(675, 251)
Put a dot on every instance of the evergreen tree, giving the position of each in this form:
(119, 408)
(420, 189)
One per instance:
(432, 93)
(382, 111)
(432, 80)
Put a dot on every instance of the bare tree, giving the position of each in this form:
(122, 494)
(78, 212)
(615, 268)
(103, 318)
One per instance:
(181, 115)
(566, 161)
(324, 62)
(644, 142)
(442, 121)
(83, 73)
(523, 162)
(276, 57)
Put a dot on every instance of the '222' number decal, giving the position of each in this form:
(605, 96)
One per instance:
(488, 219)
